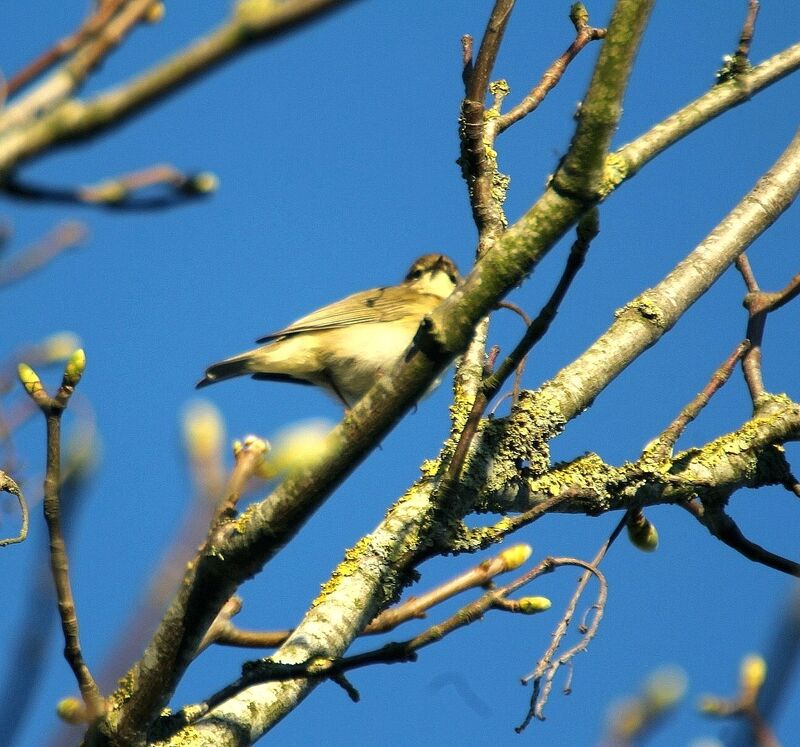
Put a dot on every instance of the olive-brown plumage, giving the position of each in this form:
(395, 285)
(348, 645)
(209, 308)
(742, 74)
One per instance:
(345, 346)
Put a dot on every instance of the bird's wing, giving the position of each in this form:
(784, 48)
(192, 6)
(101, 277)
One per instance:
(377, 305)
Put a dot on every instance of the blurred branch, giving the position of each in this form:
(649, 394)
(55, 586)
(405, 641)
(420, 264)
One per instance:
(744, 705)
(783, 655)
(121, 192)
(112, 21)
(252, 21)
(203, 438)
(7, 485)
(633, 720)
(64, 236)
(28, 647)
(64, 47)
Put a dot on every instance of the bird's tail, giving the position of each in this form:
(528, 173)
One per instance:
(238, 365)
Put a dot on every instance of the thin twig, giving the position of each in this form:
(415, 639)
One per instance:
(28, 645)
(65, 46)
(742, 55)
(120, 192)
(477, 167)
(111, 29)
(549, 663)
(668, 438)
(225, 633)
(397, 652)
(63, 236)
(53, 408)
(487, 53)
(7, 485)
(520, 370)
(759, 304)
(587, 229)
(549, 80)
(724, 528)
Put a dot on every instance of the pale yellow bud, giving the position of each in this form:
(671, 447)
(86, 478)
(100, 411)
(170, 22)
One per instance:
(664, 688)
(76, 365)
(297, 447)
(513, 557)
(203, 183)
(57, 347)
(534, 605)
(71, 710)
(203, 430)
(627, 717)
(154, 13)
(752, 673)
(30, 380)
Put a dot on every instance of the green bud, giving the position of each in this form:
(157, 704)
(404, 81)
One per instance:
(753, 672)
(75, 368)
(71, 710)
(534, 605)
(642, 534)
(32, 383)
(514, 557)
(203, 183)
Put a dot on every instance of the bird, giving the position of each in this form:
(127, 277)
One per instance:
(346, 346)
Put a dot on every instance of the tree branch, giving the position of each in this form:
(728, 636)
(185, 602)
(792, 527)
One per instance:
(252, 22)
(53, 408)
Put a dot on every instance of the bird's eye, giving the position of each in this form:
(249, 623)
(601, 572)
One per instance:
(416, 274)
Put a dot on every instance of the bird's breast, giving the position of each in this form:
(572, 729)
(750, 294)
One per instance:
(355, 356)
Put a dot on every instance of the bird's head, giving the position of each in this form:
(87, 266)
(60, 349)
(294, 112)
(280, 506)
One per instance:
(436, 274)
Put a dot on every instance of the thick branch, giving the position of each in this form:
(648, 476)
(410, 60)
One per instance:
(583, 166)
(267, 526)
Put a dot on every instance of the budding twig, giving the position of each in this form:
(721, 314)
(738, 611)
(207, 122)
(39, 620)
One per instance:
(52, 408)
(122, 192)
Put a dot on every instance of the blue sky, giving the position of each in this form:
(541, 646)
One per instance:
(335, 148)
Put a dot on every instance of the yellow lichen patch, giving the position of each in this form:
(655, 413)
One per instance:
(615, 170)
(349, 566)
(647, 309)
